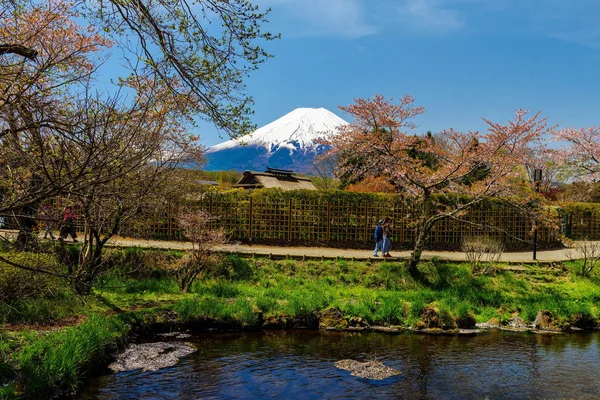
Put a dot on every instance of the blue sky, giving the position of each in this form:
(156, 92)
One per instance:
(461, 59)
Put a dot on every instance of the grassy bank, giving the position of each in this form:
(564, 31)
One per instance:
(52, 338)
(381, 293)
(45, 364)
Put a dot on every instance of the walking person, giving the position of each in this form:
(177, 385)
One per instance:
(387, 232)
(68, 224)
(378, 239)
(48, 220)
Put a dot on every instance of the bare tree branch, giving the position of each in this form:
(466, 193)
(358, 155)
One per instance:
(17, 49)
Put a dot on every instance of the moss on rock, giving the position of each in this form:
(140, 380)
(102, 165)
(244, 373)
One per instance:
(332, 318)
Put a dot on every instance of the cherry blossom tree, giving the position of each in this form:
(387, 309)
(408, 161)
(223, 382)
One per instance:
(102, 152)
(461, 168)
(206, 243)
(195, 54)
(45, 55)
(583, 151)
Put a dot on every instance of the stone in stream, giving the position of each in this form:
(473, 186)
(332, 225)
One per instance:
(175, 335)
(517, 322)
(544, 321)
(151, 356)
(332, 318)
(369, 370)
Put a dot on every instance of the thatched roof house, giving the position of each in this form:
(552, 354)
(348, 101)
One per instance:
(274, 178)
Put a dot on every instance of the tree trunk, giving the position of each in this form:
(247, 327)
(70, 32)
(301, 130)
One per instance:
(26, 239)
(185, 286)
(424, 228)
(82, 284)
(415, 256)
(90, 263)
(187, 281)
(86, 275)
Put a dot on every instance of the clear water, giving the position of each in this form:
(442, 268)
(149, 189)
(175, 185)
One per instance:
(300, 365)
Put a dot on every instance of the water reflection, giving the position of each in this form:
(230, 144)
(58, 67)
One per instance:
(299, 364)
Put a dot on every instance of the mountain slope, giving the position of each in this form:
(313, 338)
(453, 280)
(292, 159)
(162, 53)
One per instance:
(286, 143)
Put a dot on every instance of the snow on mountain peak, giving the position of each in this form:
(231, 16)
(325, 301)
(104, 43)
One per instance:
(298, 127)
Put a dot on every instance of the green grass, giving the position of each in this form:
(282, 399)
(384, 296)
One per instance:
(9, 392)
(380, 293)
(44, 310)
(237, 312)
(246, 292)
(49, 364)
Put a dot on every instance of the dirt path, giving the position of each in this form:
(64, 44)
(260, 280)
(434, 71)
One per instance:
(261, 250)
(326, 252)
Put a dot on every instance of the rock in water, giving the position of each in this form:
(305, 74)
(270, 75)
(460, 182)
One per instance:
(369, 370)
(332, 318)
(544, 321)
(151, 356)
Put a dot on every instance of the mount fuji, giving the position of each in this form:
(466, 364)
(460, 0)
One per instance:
(286, 143)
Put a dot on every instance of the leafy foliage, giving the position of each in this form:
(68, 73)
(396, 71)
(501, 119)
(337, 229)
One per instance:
(19, 284)
(483, 253)
(583, 151)
(199, 51)
(108, 152)
(203, 257)
(587, 254)
(478, 166)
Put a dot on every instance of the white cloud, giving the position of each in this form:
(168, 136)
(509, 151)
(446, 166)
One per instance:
(587, 38)
(571, 21)
(431, 14)
(340, 18)
(568, 20)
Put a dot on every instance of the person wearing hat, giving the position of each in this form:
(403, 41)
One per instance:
(378, 238)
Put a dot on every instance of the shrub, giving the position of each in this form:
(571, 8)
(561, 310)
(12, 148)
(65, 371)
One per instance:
(137, 263)
(42, 310)
(483, 253)
(202, 258)
(17, 283)
(235, 268)
(587, 255)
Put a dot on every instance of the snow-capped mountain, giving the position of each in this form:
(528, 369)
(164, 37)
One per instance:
(286, 143)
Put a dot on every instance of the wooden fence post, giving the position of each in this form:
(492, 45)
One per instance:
(328, 220)
(250, 220)
(365, 237)
(570, 236)
(403, 219)
(290, 222)
(210, 220)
